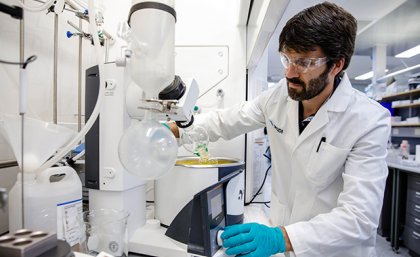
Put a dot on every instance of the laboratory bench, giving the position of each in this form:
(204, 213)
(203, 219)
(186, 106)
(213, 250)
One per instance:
(400, 219)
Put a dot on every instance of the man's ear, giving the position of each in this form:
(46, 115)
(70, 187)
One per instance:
(338, 66)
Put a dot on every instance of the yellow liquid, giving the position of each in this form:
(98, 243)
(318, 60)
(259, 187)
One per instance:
(199, 162)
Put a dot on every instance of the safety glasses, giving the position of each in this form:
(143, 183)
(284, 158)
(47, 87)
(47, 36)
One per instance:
(302, 64)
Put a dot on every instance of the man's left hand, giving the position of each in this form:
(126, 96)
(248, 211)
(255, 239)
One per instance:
(253, 240)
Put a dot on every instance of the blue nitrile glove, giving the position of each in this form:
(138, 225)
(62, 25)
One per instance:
(253, 240)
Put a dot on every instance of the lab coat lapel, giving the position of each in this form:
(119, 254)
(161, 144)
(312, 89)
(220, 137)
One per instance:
(319, 121)
(337, 103)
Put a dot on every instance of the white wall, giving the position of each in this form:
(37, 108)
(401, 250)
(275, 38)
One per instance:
(214, 23)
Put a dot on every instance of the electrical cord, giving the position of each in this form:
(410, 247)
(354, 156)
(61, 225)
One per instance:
(265, 203)
(259, 190)
(262, 184)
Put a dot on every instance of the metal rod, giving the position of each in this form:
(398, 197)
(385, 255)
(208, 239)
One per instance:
(22, 59)
(23, 168)
(79, 81)
(76, 27)
(8, 164)
(55, 69)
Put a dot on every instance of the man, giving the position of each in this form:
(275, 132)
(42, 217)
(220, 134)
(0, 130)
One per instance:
(328, 144)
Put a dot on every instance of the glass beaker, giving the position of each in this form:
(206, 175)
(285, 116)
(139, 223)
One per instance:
(103, 230)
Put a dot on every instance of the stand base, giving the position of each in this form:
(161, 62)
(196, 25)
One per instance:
(151, 240)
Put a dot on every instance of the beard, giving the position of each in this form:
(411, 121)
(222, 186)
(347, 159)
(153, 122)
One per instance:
(310, 90)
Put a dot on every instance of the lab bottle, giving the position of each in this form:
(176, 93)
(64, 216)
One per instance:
(405, 150)
(52, 202)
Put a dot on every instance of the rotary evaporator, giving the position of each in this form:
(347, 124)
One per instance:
(129, 146)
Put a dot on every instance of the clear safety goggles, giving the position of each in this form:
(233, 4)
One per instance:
(302, 64)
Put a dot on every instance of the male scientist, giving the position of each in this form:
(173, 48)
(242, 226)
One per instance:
(328, 143)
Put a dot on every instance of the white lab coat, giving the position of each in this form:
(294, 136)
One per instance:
(328, 200)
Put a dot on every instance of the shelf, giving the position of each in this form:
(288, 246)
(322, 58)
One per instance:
(406, 125)
(406, 105)
(406, 130)
(402, 95)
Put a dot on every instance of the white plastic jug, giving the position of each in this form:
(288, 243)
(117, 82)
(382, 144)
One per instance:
(49, 206)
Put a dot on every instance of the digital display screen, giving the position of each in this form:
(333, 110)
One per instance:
(216, 205)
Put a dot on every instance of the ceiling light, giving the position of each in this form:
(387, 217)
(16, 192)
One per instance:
(409, 53)
(399, 72)
(365, 76)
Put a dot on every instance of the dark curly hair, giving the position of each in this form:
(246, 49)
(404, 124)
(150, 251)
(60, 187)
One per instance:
(326, 25)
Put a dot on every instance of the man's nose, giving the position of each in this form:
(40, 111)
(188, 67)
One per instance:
(291, 71)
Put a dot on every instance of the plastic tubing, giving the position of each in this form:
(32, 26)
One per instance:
(75, 5)
(40, 8)
(81, 3)
(95, 112)
(78, 156)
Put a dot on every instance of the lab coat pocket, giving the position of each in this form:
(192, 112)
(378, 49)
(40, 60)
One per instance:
(325, 165)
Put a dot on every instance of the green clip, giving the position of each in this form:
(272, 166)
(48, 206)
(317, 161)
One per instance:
(166, 125)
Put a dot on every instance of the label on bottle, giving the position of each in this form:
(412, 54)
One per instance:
(67, 224)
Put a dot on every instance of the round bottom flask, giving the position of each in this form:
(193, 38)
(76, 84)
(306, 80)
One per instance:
(148, 149)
